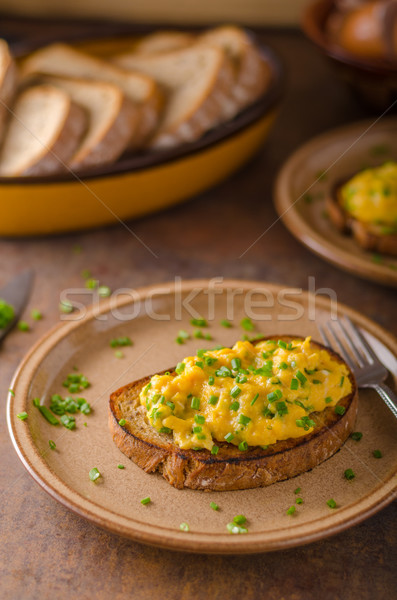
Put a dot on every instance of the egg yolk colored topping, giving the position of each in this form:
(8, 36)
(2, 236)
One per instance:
(246, 395)
(371, 196)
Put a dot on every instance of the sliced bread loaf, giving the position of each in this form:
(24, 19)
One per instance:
(252, 73)
(42, 134)
(63, 60)
(196, 81)
(164, 41)
(113, 119)
(8, 83)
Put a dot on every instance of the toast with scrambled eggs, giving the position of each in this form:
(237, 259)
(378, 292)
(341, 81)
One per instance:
(310, 412)
(366, 207)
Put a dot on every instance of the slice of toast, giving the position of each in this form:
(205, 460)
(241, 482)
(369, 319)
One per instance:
(8, 84)
(63, 60)
(113, 120)
(164, 41)
(230, 469)
(251, 71)
(197, 81)
(369, 236)
(42, 134)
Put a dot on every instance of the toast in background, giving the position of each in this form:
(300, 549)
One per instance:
(43, 133)
(8, 83)
(197, 82)
(63, 60)
(164, 41)
(113, 120)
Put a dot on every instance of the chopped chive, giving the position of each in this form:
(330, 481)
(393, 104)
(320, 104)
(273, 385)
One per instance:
(47, 414)
(301, 377)
(122, 422)
(165, 430)
(235, 405)
(182, 336)
(236, 529)
(223, 372)
(180, 367)
(120, 466)
(211, 380)
(104, 291)
(170, 404)
(349, 474)
(146, 500)
(377, 454)
(210, 360)
(229, 437)
(281, 408)
(254, 399)
(22, 415)
(356, 436)
(68, 422)
(299, 500)
(283, 365)
(239, 519)
(94, 474)
(243, 420)
(236, 363)
(247, 324)
(23, 326)
(11, 392)
(200, 364)
(66, 307)
(213, 400)
(199, 322)
(200, 419)
(197, 429)
(342, 379)
(298, 489)
(195, 403)
(119, 354)
(120, 341)
(291, 510)
(184, 527)
(147, 387)
(294, 384)
(243, 446)
(339, 410)
(276, 395)
(91, 283)
(52, 444)
(214, 506)
(226, 323)
(282, 344)
(214, 450)
(331, 503)
(235, 391)
(316, 381)
(36, 314)
(328, 400)
(198, 334)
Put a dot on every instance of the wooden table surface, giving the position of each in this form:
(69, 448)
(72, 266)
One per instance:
(48, 552)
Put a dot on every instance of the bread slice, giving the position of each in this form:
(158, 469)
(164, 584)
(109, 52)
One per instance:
(61, 59)
(230, 469)
(369, 236)
(164, 41)
(8, 84)
(43, 133)
(252, 73)
(113, 119)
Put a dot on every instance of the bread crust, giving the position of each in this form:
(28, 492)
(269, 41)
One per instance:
(369, 236)
(230, 469)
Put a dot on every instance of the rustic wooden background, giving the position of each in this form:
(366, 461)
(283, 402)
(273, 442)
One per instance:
(48, 552)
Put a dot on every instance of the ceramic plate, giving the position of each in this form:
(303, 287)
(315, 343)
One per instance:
(307, 178)
(152, 317)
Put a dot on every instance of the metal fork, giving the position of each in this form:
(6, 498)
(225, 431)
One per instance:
(367, 368)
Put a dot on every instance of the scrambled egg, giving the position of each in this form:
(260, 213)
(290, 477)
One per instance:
(371, 196)
(246, 395)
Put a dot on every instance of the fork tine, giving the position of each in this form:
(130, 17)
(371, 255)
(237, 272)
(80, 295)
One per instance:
(362, 360)
(324, 336)
(362, 339)
(342, 349)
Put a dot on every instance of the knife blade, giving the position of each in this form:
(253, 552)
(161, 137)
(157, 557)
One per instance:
(16, 293)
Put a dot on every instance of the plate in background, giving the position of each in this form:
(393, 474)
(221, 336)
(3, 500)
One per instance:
(308, 177)
(114, 503)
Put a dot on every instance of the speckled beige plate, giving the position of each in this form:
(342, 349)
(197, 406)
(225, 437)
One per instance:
(152, 319)
(307, 178)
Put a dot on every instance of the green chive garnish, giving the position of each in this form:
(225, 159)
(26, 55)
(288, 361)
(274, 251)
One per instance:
(239, 519)
(243, 420)
(214, 506)
(291, 510)
(282, 344)
(199, 322)
(146, 500)
(254, 399)
(165, 430)
(331, 503)
(377, 454)
(120, 466)
(104, 291)
(65, 306)
(301, 377)
(122, 422)
(23, 326)
(214, 450)
(22, 416)
(226, 323)
(298, 489)
(120, 341)
(235, 391)
(236, 529)
(94, 474)
(299, 501)
(47, 414)
(52, 444)
(236, 363)
(36, 314)
(11, 392)
(229, 437)
(213, 400)
(184, 527)
(211, 380)
(247, 324)
(294, 384)
(195, 403)
(235, 405)
(356, 436)
(339, 410)
(200, 419)
(349, 474)
(328, 400)
(243, 446)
